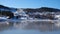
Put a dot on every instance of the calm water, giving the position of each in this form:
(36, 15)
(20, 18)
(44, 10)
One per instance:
(29, 28)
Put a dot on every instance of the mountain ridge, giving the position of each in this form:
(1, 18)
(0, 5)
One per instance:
(34, 12)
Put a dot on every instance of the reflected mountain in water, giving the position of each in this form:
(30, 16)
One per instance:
(41, 26)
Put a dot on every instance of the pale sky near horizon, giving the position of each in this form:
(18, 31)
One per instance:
(31, 3)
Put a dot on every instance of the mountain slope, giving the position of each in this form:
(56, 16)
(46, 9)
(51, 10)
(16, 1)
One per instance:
(39, 13)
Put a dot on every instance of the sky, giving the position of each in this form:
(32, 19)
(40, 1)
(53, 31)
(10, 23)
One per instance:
(31, 3)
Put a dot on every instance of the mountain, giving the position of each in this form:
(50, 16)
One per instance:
(38, 13)
(7, 11)
(43, 12)
(1, 6)
(5, 8)
(42, 9)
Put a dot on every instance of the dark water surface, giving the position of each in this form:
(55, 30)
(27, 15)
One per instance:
(29, 28)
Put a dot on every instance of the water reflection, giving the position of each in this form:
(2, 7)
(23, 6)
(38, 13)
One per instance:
(41, 26)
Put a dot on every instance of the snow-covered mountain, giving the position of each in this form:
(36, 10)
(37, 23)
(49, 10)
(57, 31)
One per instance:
(43, 13)
(6, 11)
(38, 13)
